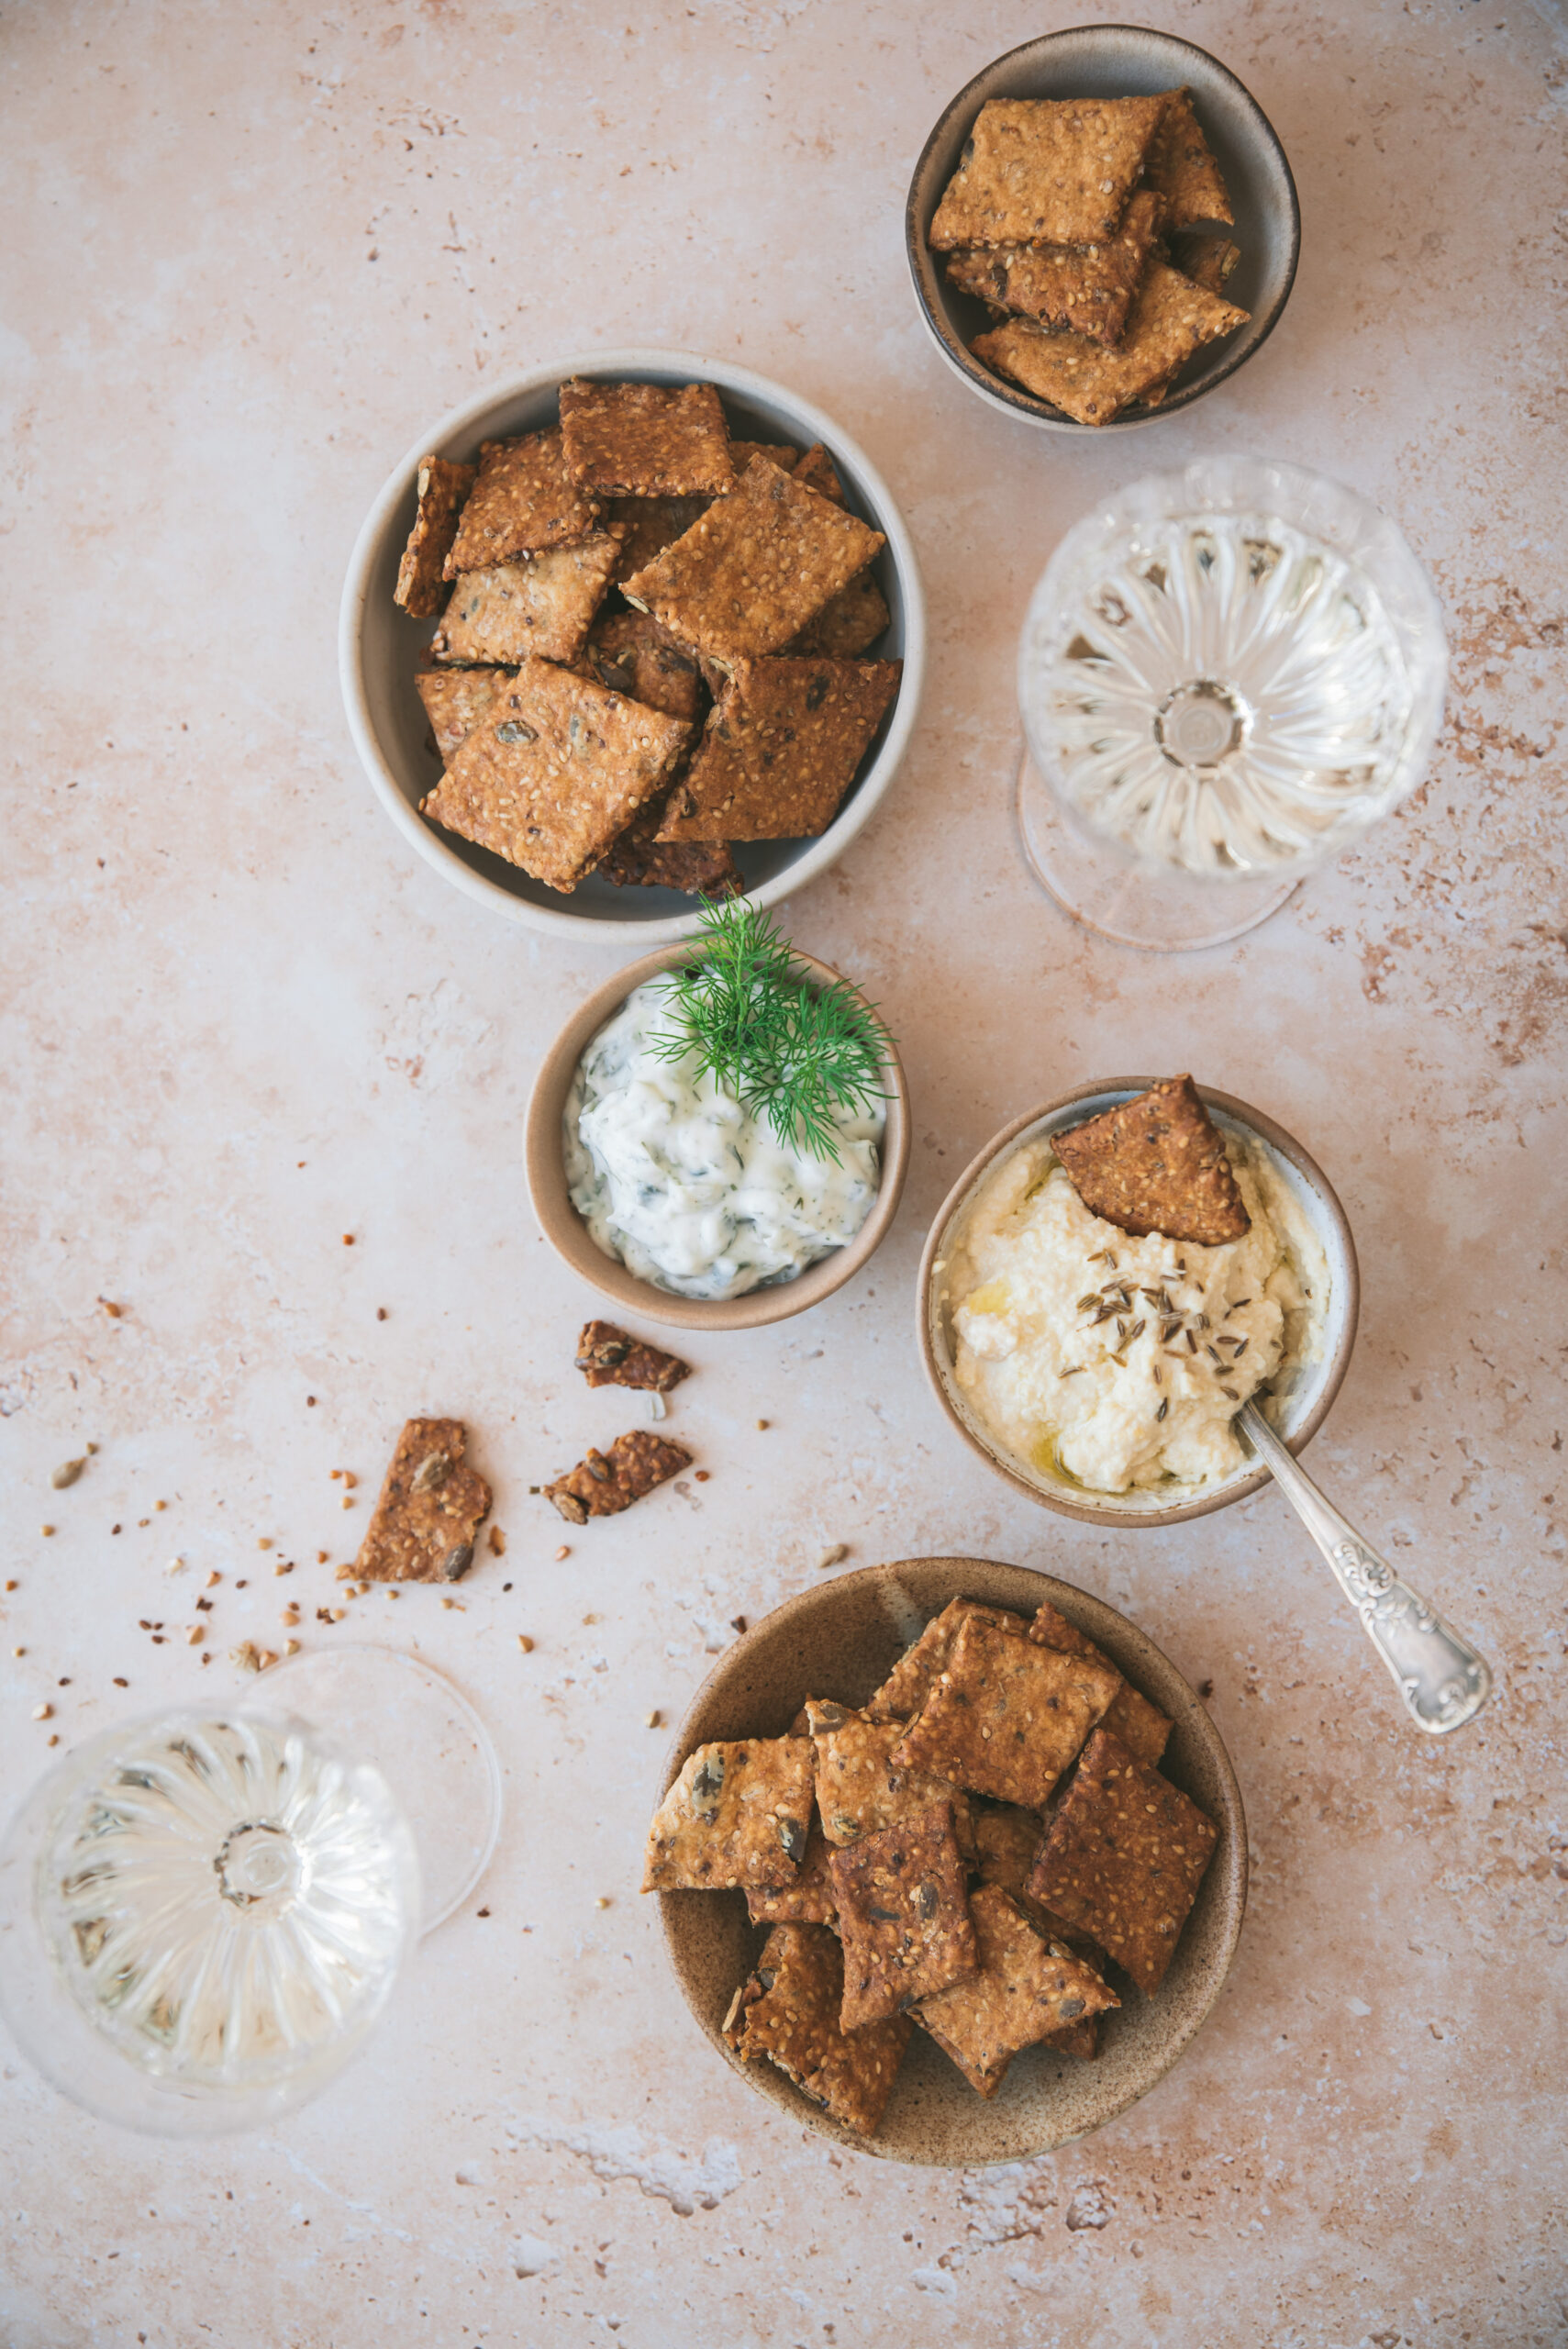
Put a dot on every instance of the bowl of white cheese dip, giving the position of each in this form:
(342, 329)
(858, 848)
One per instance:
(671, 1199)
(1100, 1373)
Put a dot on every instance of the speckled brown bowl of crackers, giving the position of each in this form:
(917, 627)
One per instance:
(755, 1969)
(1101, 229)
(566, 535)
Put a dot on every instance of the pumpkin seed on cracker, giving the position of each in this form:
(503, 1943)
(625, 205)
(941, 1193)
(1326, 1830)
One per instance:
(542, 604)
(806, 1899)
(788, 2010)
(645, 439)
(1048, 170)
(1027, 1988)
(738, 1815)
(780, 749)
(1171, 317)
(429, 1508)
(1180, 167)
(1006, 1715)
(1088, 288)
(1157, 1164)
(525, 502)
(441, 488)
(903, 1916)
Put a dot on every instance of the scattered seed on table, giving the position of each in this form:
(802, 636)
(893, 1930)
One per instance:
(66, 1474)
(126, 1684)
(159, 1505)
(601, 1902)
(563, 1551)
(283, 1566)
(264, 1542)
(52, 1738)
(291, 1647)
(42, 1712)
(194, 1636)
(654, 1720)
(524, 1644)
(45, 1528)
(321, 1557)
(761, 1423)
(19, 1650)
(381, 1313)
(347, 1239)
(12, 1584)
(243, 1583)
(701, 1476)
(348, 1500)
(738, 1622)
(832, 1555)
(497, 1543)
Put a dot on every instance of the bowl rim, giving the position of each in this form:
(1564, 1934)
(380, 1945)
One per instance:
(569, 1235)
(460, 425)
(1110, 1630)
(1335, 1367)
(1013, 400)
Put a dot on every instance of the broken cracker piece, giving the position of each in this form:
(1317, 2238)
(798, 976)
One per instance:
(806, 1899)
(1124, 1858)
(441, 488)
(860, 1789)
(525, 502)
(1207, 260)
(1181, 168)
(1026, 1988)
(752, 569)
(646, 526)
(1048, 170)
(817, 471)
(455, 700)
(910, 1682)
(1140, 1726)
(645, 439)
(429, 1508)
(737, 1815)
(542, 604)
(611, 1357)
(1007, 1841)
(1086, 287)
(779, 453)
(903, 1916)
(781, 750)
(788, 2011)
(554, 771)
(1169, 319)
(848, 624)
(1006, 1715)
(605, 1483)
(1157, 1164)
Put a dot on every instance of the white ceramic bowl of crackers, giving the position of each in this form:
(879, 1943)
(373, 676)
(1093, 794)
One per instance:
(560, 696)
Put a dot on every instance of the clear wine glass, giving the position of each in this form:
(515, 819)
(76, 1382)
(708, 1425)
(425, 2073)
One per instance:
(1228, 673)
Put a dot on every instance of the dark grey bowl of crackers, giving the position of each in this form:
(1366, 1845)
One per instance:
(598, 703)
(838, 1644)
(1114, 267)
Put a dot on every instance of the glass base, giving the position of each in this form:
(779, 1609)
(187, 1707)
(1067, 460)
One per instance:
(426, 1740)
(1161, 913)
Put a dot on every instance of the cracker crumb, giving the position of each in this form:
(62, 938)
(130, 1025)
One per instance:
(264, 1542)
(497, 1543)
(701, 1476)
(524, 1644)
(348, 1500)
(45, 1528)
(214, 1578)
(283, 1566)
(761, 1423)
(655, 1720)
(833, 1555)
(114, 1311)
(247, 1656)
(602, 1902)
(321, 1557)
(563, 1551)
(53, 1738)
(194, 1636)
(118, 1683)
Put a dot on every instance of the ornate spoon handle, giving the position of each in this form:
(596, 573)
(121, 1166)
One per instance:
(1442, 1679)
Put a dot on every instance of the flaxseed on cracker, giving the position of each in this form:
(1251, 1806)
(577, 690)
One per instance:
(1086, 287)
(848, 623)
(630, 654)
(780, 749)
(608, 1356)
(1006, 1715)
(1169, 319)
(860, 1789)
(807, 1898)
(1157, 1164)
(455, 700)
(1130, 1715)
(605, 1483)
(644, 440)
(441, 488)
(429, 1511)
(903, 1916)
(910, 1682)
(542, 604)
(1181, 168)
(554, 771)
(525, 502)
(1048, 171)
(788, 2011)
(1124, 1858)
(737, 1815)
(1027, 1988)
(752, 569)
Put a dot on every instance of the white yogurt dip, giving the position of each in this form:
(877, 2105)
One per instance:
(1120, 1363)
(687, 1189)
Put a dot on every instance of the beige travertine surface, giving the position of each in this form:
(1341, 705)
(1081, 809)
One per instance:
(251, 251)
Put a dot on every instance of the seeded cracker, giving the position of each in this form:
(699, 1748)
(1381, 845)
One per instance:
(776, 452)
(1006, 1844)
(1169, 319)
(428, 1512)
(788, 2011)
(1157, 1164)
(759, 564)
(860, 1789)
(1130, 1715)
(455, 700)
(1027, 1988)
(737, 1815)
(610, 1357)
(1005, 1717)
(903, 1916)
(641, 441)
(848, 624)
(1207, 260)
(1046, 171)
(640, 860)
(780, 749)
(630, 654)
(440, 489)
(1123, 1859)
(817, 471)
(807, 1900)
(605, 1483)
(1086, 287)
(556, 768)
(1181, 168)
(646, 526)
(525, 502)
(542, 604)
(910, 1682)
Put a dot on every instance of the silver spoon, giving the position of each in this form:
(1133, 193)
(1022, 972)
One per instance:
(1442, 1679)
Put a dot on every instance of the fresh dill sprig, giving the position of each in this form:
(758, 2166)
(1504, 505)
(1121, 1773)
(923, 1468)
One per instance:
(785, 1050)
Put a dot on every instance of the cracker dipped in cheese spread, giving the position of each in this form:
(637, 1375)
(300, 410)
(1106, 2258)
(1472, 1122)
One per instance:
(1120, 1361)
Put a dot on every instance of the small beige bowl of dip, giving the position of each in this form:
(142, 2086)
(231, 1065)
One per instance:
(568, 1234)
(1297, 1399)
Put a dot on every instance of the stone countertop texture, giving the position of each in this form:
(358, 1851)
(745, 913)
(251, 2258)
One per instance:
(252, 251)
